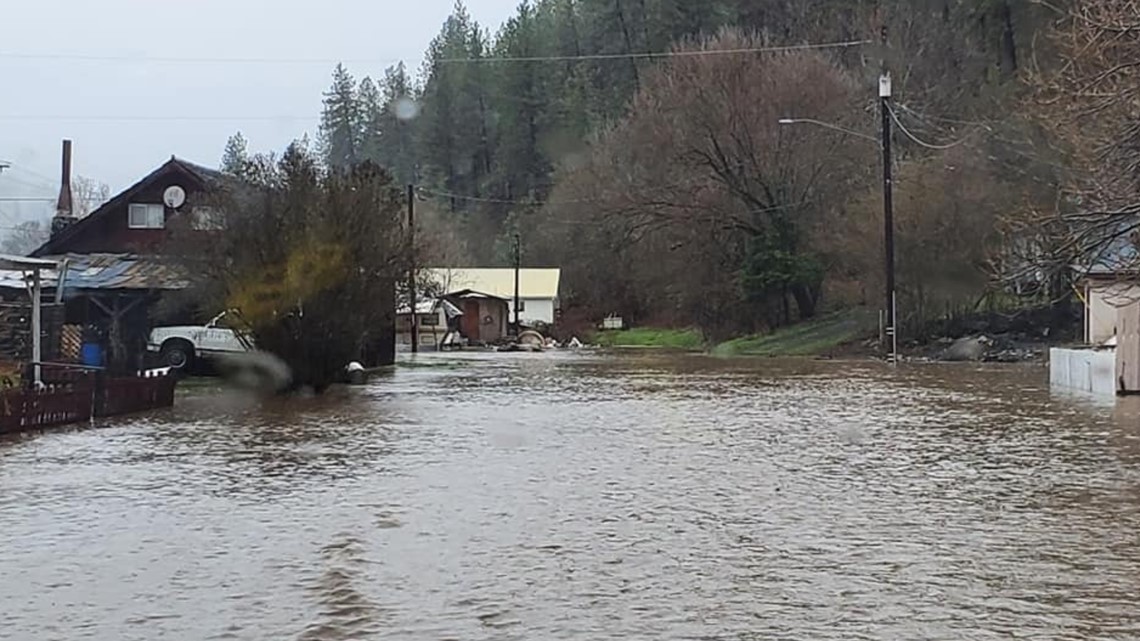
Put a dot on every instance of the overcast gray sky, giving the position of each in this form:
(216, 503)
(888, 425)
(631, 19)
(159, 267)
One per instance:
(124, 114)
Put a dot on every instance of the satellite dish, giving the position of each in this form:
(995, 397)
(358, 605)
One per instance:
(174, 196)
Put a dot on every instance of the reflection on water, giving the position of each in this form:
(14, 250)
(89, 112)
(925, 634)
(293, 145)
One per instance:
(563, 497)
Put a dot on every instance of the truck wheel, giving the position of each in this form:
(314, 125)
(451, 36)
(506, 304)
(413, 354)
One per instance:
(177, 354)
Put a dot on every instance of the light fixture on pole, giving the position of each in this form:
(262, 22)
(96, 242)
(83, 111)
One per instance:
(827, 125)
(888, 219)
(890, 309)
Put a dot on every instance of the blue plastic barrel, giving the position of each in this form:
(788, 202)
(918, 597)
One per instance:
(91, 354)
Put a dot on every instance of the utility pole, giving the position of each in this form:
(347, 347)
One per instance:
(412, 268)
(890, 311)
(518, 269)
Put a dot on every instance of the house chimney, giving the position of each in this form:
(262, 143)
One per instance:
(64, 212)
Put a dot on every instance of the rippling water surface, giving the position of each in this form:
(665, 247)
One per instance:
(567, 497)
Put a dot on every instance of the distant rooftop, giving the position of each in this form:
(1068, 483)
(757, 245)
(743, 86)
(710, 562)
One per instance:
(534, 283)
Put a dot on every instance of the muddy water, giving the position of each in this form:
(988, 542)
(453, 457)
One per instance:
(556, 497)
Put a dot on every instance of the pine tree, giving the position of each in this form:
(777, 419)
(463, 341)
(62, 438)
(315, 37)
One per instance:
(236, 155)
(449, 123)
(372, 123)
(341, 122)
(400, 121)
(522, 109)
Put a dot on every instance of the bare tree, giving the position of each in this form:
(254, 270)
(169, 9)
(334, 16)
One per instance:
(88, 195)
(706, 201)
(1086, 102)
(24, 238)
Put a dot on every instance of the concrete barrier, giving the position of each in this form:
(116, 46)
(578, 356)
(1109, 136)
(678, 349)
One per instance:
(1085, 370)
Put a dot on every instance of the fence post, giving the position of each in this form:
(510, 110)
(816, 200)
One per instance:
(99, 394)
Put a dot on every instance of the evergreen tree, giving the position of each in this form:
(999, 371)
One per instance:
(373, 123)
(454, 133)
(340, 131)
(522, 166)
(236, 155)
(400, 117)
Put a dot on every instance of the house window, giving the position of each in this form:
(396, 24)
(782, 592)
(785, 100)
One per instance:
(429, 320)
(207, 219)
(142, 216)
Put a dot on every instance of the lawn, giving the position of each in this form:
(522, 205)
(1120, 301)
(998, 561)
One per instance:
(811, 338)
(676, 339)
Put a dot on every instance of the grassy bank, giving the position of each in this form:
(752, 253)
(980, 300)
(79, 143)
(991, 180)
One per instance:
(812, 338)
(676, 339)
(823, 335)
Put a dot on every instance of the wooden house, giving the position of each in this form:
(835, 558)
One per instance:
(120, 260)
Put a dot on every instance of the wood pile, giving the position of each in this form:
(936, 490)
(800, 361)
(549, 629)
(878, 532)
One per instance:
(16, 331)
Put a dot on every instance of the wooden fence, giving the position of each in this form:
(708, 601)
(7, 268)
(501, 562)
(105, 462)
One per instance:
(76, 395)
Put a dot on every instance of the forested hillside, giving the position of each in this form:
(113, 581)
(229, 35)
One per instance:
(637, 144)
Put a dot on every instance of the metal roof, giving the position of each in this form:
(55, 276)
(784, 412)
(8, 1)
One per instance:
(1111, 252)
(422, 307)
(22, 263)
(431, 306)
(106, 271)
(469, 293)
(498, 282)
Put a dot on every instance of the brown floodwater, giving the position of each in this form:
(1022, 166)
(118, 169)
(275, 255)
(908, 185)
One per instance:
(558, 496)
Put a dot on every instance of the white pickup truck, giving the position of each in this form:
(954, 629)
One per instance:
(179, 347)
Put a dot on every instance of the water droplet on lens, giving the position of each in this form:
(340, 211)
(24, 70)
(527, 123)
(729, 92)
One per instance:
(405, 108)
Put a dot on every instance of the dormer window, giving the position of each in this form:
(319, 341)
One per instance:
(145, 216)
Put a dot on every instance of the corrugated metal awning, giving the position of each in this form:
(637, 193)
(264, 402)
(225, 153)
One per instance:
(105, 271)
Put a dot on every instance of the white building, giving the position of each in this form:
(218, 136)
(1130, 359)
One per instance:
(1110, 362)
(538, 288)
(1103, 298)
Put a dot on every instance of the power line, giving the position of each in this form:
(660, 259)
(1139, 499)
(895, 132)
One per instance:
(33, 199)
(691, 182)
(923, 143)
(24, 182)
(952, 121)
(48, 179)
(132, 58)
(13, 55)
(503, 201)
(663, 54)
(185, 118)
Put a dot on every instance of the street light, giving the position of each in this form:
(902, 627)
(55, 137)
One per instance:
(888, 209)
(827, 125)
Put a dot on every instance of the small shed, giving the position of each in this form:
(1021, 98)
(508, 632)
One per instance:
(537, 288)
(485, 316)
(435, 319)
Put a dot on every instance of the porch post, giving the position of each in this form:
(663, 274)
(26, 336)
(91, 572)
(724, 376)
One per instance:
(37, 327)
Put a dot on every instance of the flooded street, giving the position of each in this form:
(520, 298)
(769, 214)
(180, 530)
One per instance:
(573, 497)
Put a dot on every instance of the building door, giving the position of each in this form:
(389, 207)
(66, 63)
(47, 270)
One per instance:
(471, 320)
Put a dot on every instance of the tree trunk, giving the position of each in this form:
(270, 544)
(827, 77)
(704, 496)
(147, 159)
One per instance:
(628, 43)
(1008, 44)
(805, 302)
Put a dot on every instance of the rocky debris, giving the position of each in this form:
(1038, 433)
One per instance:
(999, 349)
(967, 349)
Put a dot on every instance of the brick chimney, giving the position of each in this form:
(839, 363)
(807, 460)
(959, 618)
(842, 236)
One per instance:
(64, 211)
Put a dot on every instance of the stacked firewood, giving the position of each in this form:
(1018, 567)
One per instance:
(16, 331)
